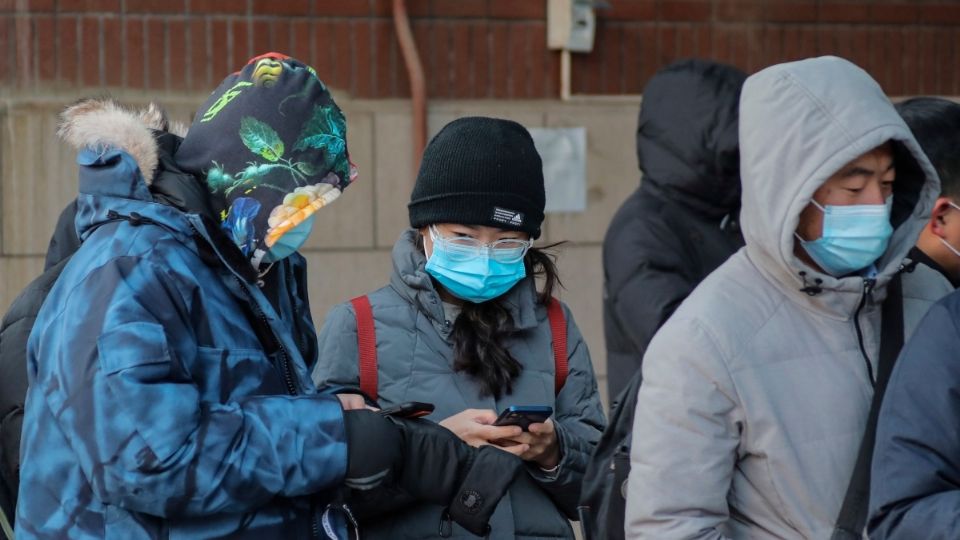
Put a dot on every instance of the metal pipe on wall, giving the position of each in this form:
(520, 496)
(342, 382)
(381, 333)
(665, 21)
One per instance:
(418, 86)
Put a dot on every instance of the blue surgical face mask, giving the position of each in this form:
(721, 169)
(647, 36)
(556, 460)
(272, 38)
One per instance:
(476, 280)
(853, 237)
(290, 241)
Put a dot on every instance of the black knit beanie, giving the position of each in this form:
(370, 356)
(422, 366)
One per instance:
(480, 171)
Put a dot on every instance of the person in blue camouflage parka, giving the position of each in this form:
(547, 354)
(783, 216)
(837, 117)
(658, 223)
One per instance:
(169, 393)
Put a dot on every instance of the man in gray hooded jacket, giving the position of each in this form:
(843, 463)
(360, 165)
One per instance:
(756, 392)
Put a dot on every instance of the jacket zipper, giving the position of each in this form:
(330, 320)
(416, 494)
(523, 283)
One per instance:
(282, 352)
(283, 357)
(301, 342)
(315, 520)
(867, 288)
(287, 379)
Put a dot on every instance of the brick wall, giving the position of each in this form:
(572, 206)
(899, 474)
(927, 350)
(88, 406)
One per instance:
(470, 48)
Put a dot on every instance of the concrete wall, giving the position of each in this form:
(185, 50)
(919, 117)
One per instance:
(349, 252)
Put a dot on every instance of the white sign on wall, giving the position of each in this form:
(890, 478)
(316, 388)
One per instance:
(564, 154)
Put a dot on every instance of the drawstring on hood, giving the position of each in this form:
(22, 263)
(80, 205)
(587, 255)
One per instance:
(811, 288)
(271, 144)
(800, 123)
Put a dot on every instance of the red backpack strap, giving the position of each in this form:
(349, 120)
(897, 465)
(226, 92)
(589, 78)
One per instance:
(366, 345)
(558, 327)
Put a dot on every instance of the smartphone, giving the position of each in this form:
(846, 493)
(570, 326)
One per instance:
(410, 409)
(524, 415)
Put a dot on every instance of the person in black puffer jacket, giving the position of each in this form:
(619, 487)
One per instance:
(14, 331)
(682, 221)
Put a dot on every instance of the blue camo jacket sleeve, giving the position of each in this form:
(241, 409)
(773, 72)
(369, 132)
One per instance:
(116, 367)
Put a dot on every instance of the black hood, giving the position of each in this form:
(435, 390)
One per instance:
(175, 186)
(64, 241)
(687, 140)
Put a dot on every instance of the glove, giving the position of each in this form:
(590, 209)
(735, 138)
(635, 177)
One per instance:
(486, 482)
(440, 468)
(393, 461)
(374, 449)
(374, 458)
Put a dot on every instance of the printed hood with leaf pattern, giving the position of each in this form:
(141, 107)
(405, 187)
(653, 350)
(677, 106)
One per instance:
(271, 144)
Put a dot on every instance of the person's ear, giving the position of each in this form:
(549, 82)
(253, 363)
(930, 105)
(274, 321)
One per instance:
(939, 216)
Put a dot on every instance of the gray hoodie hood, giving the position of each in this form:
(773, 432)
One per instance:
(800, 123)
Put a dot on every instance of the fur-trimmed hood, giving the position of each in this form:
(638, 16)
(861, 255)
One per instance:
(126, 159)
(100, 123)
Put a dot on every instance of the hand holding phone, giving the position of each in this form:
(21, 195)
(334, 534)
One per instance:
(524, 415)
(475, 427)
(539, 435)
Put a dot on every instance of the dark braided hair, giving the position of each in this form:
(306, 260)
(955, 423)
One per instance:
(480, 331)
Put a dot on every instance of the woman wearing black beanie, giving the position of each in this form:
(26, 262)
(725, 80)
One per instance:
(463, 326)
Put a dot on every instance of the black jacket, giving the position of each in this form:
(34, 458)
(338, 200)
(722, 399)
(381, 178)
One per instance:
(14, 331)
(681, 223)
(64, 240)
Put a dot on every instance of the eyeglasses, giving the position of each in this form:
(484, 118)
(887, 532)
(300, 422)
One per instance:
(464, 248)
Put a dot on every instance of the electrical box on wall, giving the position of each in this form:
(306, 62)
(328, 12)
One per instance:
(564, 153)
(571, 25)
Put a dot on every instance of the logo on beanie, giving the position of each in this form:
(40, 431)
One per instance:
(507, 217)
